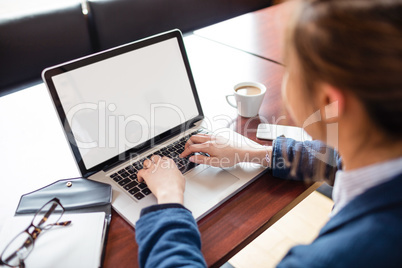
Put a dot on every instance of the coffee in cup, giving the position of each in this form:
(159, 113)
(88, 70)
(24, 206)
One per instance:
(248, 90)
(248, 96)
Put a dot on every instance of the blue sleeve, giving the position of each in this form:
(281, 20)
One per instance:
(304, 161)
(168, 236)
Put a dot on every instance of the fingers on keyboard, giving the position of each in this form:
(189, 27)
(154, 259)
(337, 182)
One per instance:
(127, 176)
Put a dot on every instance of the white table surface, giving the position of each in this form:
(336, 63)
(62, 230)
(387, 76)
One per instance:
(34, 151)
(33, 148)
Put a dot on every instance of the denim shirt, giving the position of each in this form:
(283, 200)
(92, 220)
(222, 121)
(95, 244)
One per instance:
(366, 233)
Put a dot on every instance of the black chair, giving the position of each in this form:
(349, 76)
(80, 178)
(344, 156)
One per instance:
(117, 22)
(31, 42)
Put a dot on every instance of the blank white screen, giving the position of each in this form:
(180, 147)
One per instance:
(118, 103)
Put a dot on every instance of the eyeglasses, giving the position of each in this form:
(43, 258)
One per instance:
(22, 245)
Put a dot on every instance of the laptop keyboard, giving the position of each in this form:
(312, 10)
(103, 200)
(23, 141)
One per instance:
(127, 176)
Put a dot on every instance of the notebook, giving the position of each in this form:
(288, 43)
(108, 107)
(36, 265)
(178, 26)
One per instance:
(122, 105)
(77, 245)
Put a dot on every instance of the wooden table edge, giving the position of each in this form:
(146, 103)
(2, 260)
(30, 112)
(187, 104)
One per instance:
(268, 224)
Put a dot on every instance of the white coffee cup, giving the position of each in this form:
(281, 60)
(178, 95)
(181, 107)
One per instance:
(248, 96)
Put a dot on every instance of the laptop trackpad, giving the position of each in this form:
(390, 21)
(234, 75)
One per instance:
(209, 183)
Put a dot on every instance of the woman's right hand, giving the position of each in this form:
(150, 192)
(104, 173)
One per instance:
(221, 152)
(164, 179)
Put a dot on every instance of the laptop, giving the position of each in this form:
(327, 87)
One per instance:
(120, 106)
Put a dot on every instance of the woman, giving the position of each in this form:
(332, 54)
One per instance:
(344, 60)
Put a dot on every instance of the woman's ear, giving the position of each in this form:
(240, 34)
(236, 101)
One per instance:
(332, 103)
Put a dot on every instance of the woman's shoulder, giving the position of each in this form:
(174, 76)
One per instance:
(366, 233)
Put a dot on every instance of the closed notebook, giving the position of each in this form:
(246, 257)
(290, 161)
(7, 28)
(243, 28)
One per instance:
(78, 245)
(87, 205)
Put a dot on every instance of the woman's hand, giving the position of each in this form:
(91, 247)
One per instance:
(221, 152)
(164, 179)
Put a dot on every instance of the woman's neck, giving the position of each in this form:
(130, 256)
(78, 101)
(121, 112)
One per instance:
(370, 150)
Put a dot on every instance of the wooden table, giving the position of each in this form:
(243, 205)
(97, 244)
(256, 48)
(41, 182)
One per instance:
(260, 33)
(34, 153)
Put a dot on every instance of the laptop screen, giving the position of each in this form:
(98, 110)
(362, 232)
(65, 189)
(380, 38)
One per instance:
(123, 100)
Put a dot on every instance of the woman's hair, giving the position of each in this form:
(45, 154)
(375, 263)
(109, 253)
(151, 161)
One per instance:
(356, 46)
